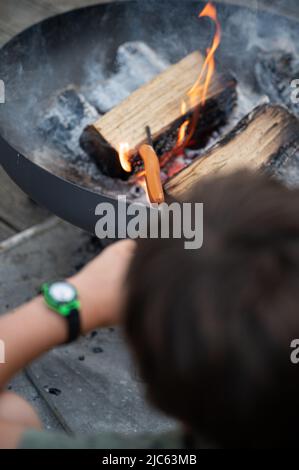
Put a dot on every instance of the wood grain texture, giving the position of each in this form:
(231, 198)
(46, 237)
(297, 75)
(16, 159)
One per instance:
(98, 388)
(157, 104)
(98, 385)
(265, 133)
(15, 15)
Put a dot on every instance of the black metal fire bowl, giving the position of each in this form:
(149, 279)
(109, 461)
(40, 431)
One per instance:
(58, 51)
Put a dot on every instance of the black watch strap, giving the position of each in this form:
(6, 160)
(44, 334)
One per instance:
(74, 323)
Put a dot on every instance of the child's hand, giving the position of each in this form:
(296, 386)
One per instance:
(101, 286)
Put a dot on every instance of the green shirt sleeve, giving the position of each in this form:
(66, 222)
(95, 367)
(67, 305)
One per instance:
(33, 439)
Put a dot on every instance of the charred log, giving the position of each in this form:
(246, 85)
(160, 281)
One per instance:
(263, 139)
(158, 105)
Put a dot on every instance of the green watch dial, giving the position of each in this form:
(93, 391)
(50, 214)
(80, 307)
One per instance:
(61, 297)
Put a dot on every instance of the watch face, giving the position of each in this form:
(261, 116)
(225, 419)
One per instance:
(62, 292)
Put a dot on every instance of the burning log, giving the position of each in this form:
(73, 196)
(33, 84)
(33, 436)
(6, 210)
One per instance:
(262, 139)
(158, 104)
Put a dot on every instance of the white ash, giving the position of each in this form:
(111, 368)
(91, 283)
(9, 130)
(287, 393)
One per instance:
(289, 174)
(72, 109)
(136, 65)
(274, 72)
(68, 114)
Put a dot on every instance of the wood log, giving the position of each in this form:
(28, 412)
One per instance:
(262, 139)
(158, 105)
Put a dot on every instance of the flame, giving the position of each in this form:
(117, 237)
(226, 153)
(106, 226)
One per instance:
(184, 127)
(196, 98)
(200, 89)
(141, 181)
(124, 156)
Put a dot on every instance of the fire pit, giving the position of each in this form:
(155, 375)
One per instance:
(50, 71)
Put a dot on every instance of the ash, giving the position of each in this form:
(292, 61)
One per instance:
(136, 64)
(274, 70)
(264, 74)
(73, 108)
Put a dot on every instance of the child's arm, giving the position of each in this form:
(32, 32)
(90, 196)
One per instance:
(33, 329)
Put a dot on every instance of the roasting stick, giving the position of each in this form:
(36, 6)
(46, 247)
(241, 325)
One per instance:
(152, 174)
(152, 170)
(149, 136)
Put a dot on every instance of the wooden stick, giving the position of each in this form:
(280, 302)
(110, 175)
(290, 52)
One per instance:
(265, 136)
(152, 174)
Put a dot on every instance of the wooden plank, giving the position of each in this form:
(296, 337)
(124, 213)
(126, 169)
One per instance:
(97, 385)
(23, 386)
(46, 251)
(156, 104)
(51, 250)
(115, 399)
(269, 131)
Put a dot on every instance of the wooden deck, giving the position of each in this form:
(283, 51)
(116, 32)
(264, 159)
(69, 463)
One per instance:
(91, 385)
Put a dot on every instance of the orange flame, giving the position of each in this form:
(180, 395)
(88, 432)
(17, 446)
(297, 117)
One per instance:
(197, 94)
(184, 127)
(124, 157)
(201, 86)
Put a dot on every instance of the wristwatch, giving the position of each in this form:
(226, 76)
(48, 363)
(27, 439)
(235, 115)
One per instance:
(62, 297)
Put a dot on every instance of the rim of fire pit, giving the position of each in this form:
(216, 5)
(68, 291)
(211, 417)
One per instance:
(67, 199)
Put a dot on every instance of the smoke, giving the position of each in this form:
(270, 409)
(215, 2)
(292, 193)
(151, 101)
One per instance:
(81, 49)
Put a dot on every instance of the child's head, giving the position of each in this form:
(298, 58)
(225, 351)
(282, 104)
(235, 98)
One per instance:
(211, 329)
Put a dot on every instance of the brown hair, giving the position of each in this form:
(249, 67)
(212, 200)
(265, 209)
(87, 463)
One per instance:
(211, 329)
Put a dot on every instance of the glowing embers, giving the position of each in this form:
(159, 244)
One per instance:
(183, 106)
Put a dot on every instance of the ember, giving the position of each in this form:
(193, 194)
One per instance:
(183, 106)
(91, 75)
(196, 98)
